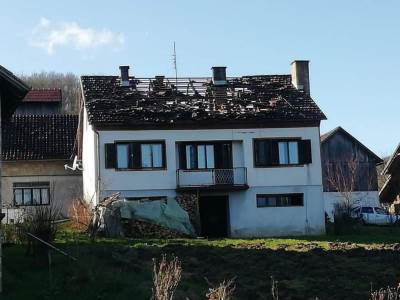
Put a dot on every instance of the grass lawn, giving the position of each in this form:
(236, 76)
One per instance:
(327, 267)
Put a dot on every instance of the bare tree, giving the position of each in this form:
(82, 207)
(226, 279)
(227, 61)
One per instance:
(166, 277)
(344, 177)
(68, 83)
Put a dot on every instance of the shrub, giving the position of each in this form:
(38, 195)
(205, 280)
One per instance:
(81, 214)
(166, 277)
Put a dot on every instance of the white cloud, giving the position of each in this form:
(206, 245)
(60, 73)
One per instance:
(50, 35)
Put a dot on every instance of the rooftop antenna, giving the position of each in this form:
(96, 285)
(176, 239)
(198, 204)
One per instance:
(175, 67)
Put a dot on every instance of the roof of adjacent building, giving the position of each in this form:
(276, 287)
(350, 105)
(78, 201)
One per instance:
(169, 102)
(326, 136)
(43, 95)
(39, 137)
(12, 91)
(393, 162)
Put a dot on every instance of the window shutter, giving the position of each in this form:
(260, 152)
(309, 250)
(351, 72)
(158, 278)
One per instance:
(305, 156)
(111, 157)
(182, 156)
(273, 157)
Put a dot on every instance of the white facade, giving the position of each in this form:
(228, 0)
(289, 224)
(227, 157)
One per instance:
(361, 198)
(245, 218)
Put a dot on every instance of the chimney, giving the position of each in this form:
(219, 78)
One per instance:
(219, 75)
(160, 80)
(124, 75)
(300, 75)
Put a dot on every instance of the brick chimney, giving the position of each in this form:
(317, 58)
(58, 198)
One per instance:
(219, 75)
(300, 75)
(219, 85)
(124, 75)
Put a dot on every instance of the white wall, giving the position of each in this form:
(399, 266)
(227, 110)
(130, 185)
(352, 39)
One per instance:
(166, 179)
(366, 198)
(246, 219)
(89, 161)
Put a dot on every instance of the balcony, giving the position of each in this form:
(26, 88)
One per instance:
(233, 179)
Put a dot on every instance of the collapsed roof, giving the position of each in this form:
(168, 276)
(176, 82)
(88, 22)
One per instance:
(39, 137)
(169, 102)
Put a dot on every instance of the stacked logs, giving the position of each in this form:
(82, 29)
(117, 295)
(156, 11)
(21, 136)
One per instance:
(143, 229)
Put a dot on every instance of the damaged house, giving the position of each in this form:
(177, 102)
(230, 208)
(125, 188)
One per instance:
(37, 142)
(241, 155)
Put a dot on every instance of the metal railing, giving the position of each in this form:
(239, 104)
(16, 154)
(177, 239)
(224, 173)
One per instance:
(211, 177)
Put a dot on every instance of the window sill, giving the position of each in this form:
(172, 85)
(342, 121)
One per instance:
(140, 170)
(281, 166)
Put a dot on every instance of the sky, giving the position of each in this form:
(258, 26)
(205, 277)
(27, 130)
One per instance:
(353, 47)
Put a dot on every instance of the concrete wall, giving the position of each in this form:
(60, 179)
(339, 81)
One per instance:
(64, 185)
(245, 218)
(89, 160)
(364, 198)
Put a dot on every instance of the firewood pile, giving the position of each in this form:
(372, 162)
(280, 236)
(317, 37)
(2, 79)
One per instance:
(107, 220)
(189, 202)
(143, 229)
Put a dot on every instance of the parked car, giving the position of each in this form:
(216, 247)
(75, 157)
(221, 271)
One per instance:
(376, 216)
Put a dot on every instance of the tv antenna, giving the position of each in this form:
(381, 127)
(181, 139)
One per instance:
(175, 67)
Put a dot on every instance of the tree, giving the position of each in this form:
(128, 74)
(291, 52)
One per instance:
(346, 178)
(69, 84)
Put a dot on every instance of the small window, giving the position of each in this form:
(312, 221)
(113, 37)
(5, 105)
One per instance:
(31, 193)
(277, 200)
(147, 199)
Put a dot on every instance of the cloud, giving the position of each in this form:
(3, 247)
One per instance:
(50, 35)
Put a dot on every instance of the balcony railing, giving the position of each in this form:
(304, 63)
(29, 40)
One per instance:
(209, 178)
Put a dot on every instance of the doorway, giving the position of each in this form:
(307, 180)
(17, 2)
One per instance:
(214, 216)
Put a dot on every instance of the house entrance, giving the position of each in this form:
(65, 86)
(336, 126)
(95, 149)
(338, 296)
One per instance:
(214, 216)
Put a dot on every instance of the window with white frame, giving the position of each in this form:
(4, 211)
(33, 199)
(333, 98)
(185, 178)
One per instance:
(31, 193)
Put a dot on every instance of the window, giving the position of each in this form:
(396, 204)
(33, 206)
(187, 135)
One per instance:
(148, 199)
(31, 193)
(151, 155)
(199, 156)
(122, 156)
(135, 155)
(381, 211)
(271, 152)
(279, 200)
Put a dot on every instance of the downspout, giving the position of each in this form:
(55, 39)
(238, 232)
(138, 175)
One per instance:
(97, 154)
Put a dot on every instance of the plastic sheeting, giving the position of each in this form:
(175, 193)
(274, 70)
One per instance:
(165, 213)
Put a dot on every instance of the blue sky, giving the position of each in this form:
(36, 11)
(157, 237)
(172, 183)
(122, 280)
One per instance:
(353, 46)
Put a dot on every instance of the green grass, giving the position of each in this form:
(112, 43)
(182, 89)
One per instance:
(121, 268)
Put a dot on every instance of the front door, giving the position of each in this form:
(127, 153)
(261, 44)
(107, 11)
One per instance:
(214, 216)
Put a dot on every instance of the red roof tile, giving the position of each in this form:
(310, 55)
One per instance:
(43, 95)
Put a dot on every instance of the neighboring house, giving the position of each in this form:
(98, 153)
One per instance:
(41, 102)
(37, 143)
(349, 171)
(246, 149)
(390, 192)
(12, 91)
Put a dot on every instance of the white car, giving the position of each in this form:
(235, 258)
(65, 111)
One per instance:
(376, 216)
